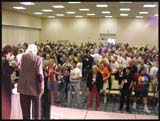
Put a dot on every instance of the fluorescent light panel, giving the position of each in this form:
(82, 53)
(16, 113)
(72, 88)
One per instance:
(91, 14)
(59, 14)
(108, 16)
(47, 10)
(51, 16)
(149, 6)
(106, 12)
(84, 9)
(38, 13)
(74, 2)
(78, 16)
(27, 3)
(123, 14)
(19, 7)
(125, 9)
(102, 6)
(143, 12)
(156, 15)
(58, 6)
(70, 12)
(125, 2)
(139, 17)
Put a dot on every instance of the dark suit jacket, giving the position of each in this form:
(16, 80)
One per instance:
(7, 70)
(99, 81)
(31, 79)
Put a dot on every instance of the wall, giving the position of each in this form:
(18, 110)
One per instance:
(136, 32)
(19, 28)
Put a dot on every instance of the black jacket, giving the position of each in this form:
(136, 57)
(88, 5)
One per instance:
(99, 81)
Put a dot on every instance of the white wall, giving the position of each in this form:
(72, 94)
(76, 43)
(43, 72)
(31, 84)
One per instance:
(136, 32)
(19, 28)
(15, 35)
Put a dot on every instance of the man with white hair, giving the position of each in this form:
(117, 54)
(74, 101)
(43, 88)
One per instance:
(31, 82)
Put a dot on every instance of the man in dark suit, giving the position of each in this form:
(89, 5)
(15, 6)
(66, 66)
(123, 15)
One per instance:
(7, 70)
(31, 82)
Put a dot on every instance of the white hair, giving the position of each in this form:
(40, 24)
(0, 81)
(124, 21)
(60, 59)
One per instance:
(32, 48)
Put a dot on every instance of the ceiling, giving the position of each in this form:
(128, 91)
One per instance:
(113, 7)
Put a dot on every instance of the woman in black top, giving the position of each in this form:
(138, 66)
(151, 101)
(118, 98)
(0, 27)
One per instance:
(126, 90)
(7, 70)
(94, 84)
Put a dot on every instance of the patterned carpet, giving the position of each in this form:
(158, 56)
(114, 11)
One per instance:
(112, 104)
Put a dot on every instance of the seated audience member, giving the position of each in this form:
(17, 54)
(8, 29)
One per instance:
(126, 89)
(94, 84)
(141, 88)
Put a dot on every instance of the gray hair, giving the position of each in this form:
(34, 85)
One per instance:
(32, 48)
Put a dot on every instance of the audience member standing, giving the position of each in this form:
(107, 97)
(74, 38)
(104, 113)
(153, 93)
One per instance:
(7, 70)
(94, 84)
(31, 82)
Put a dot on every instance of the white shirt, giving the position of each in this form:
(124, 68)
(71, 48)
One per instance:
(125, 62)
(75, 73)
(114, 66)
(154, 71)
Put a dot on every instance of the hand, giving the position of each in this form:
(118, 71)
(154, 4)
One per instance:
(41, 92)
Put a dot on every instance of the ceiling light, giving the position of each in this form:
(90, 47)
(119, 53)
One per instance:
(69, 12)
(91, 14)
(108, 16)
(78, 16)
(84, 9)
(47, 10)
(51, 16)
(156, 15)
(74, 2)
(19, 7)
(59, 14)
(139, 17)
(123, 14)
(102, 6)
(125, 2)
(149, 6)
(143, 12)
(125, 9)
(38, 13)
(106, 12)
(27, 3)
(58, 6)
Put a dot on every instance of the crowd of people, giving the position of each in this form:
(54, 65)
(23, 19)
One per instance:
(65, 65)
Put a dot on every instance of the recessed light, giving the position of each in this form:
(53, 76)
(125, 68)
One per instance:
(47, 10)
(38, 13)
(125, 2)
(27, 3)
(58, 6)
(59, 14)
(74, 2)
(108, 16)
(149, 6)
(106, 12)
(125, 9)
(70, 12)
(139, 17)
(51, 16)
(156, 15)
(19, 7)
(78, 16)
(143, 12)
(123, 14)
(102, 6)
(84, 9)
(91, 14)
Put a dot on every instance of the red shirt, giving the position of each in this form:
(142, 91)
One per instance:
(51, 73)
